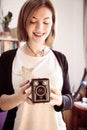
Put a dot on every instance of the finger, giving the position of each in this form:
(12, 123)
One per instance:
(23, 88)
(25, 82)
(28, 90)
(28, 95)
(29, 100)
(55, 91)
(52, 103)
(53, 96)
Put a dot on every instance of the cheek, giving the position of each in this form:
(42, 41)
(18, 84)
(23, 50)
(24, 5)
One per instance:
(29, 29)
(49, 29)
(49, 26)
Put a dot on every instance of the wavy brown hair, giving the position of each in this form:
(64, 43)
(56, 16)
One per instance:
(26, 12)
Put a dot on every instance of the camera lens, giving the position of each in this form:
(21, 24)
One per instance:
(40, 90)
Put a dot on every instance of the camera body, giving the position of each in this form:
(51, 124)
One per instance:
(40, 90)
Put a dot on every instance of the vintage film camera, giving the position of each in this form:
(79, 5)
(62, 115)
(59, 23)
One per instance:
(40, 90)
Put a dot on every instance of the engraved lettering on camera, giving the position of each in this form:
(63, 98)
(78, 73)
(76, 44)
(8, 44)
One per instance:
(40, 90)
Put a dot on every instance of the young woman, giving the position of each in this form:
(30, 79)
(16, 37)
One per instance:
(35, 59)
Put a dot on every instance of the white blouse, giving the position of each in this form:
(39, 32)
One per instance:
(38, 116)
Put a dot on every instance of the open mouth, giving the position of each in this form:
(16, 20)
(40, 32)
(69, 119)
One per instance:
(38, 34)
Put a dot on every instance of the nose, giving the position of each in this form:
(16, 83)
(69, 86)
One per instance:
(39, 26)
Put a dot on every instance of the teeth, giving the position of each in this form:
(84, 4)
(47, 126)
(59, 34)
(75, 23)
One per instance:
(38, 34)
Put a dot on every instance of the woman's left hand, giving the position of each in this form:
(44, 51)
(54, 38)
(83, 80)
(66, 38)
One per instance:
(55, 97)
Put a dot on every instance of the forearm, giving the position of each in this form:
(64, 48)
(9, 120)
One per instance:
(67, 101)
(66, 104)
(8, 102)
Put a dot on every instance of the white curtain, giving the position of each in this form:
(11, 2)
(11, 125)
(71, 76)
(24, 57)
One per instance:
(85, 31)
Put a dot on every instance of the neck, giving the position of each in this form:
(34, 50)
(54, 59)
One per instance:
(36, 50)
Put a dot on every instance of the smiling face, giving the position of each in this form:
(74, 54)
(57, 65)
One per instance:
(39, 25)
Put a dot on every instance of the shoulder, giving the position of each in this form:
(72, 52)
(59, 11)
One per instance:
(60, 56)
(7, 57)
(8, 54)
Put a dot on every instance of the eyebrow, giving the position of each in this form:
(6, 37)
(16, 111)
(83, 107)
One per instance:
(44, 18)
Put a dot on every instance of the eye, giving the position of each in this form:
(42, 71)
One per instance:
(32, 22)
(46, 23)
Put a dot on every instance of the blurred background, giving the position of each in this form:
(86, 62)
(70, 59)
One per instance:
(69, 28)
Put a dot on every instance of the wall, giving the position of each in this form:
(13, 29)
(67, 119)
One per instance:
(69, 39)
(70, 36)
(13, 6)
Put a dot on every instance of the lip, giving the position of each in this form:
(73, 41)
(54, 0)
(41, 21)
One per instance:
(38, 34)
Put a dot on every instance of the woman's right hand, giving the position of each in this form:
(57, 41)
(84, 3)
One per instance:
(8, 102)
(25, 92)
